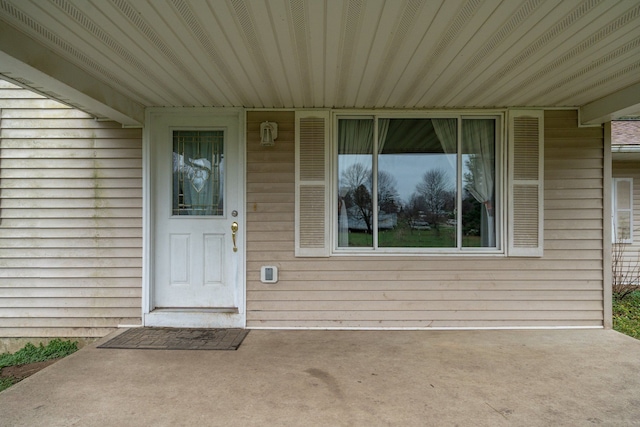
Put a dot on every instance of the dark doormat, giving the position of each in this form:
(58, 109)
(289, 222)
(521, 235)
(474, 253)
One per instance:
(178, 339)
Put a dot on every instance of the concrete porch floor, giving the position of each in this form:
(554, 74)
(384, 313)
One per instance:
(345, 378)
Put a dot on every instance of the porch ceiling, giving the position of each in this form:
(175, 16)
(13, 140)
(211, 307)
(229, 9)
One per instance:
(113, 58)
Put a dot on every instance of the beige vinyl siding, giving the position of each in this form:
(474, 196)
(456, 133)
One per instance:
(562, 288)
(70, 220)
(270, 194)
(631, 252)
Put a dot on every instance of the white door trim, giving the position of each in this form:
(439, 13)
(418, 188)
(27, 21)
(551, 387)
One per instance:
(187, 317)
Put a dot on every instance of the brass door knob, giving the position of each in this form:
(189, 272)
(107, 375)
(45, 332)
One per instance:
(234, 230)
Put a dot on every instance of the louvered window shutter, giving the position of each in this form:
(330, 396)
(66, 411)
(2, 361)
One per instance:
(312, 189)
(526, 183)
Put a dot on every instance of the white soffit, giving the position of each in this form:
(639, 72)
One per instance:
(427, 54)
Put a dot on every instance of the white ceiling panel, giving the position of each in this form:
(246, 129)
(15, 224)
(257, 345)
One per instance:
(425, 54)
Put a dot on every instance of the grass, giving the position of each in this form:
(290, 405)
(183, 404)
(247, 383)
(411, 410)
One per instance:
(31, 354)
(5, 383)
(405, 237)
(626, 314)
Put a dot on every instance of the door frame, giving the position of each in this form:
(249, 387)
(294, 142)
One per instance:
(189, 318)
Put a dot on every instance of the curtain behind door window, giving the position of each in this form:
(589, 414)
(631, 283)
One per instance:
(198, 172)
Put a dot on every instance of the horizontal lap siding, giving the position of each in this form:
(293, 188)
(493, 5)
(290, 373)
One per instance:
(564, 288)
(574, 179)
(71, 220)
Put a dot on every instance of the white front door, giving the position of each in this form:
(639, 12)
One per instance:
(197, 220)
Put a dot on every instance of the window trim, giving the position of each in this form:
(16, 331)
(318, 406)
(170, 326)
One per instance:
(500, 184)
(615, 210)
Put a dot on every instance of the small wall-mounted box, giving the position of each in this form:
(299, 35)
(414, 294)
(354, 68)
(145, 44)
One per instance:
(269, 274)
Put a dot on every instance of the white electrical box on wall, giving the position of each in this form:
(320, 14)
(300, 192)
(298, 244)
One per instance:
(269, 274)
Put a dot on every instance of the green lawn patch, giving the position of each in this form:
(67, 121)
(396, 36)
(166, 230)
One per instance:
(5, 383)
(403, 236)
(32, 354)
(626, 314)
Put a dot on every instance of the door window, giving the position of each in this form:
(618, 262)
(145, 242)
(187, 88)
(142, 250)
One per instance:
(198, 172)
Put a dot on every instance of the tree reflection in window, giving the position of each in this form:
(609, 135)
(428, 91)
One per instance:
(416, 183)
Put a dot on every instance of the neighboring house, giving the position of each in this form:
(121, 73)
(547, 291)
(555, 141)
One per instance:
(342, 164)
(625, 155)
(70, 220)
